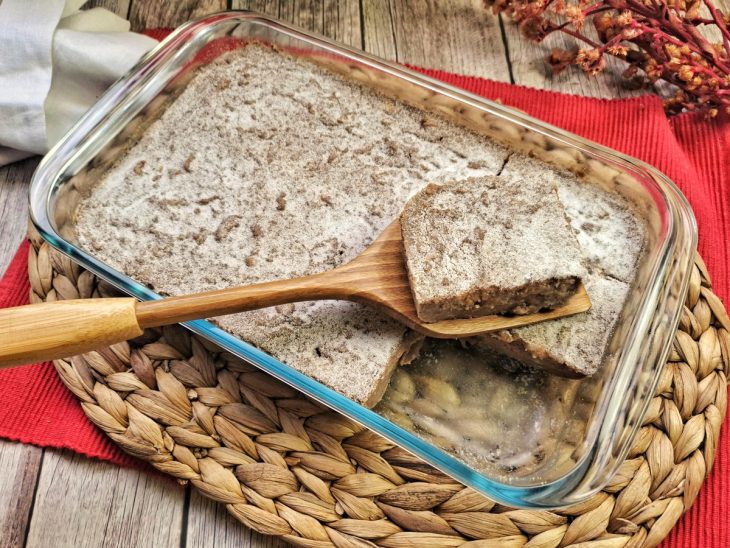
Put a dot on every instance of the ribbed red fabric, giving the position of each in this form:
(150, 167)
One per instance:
(36, 408)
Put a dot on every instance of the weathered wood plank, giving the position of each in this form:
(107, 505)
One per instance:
(120, 7)
(149, 14)
(19, 465)
(264, 7)
(87, 503)
(14, 181)
(454, 35)
(335, 19)
(379, 29)
(211, 526)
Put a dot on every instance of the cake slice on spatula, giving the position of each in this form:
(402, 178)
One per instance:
(489, 245)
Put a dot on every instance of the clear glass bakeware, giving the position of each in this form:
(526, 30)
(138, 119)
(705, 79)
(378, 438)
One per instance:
(592, 422)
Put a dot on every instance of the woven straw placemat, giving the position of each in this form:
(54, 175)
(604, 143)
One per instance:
(284, 465)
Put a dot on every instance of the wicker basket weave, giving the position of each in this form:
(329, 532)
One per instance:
(284, 465)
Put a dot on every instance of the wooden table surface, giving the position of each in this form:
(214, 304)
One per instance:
(54, 498)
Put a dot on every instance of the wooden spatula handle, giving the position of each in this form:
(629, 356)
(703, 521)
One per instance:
(47, 331)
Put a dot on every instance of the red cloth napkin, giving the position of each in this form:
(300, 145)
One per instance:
(36, 408)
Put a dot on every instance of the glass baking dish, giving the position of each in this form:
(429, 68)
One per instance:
(597, 418)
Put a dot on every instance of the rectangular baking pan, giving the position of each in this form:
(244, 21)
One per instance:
(602, 415)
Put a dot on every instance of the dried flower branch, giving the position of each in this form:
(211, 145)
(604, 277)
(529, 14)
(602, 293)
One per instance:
(659, 39)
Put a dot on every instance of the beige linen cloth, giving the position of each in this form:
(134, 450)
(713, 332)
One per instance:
(55, 62)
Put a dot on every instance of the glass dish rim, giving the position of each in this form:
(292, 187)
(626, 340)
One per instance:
(48, 176)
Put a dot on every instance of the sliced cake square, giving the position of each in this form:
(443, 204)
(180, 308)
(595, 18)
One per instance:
(489, 245)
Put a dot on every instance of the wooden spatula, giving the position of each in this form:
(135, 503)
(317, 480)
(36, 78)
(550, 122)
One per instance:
(377, 276)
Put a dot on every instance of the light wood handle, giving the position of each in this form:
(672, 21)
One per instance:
(333, 284)
(46, 331)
